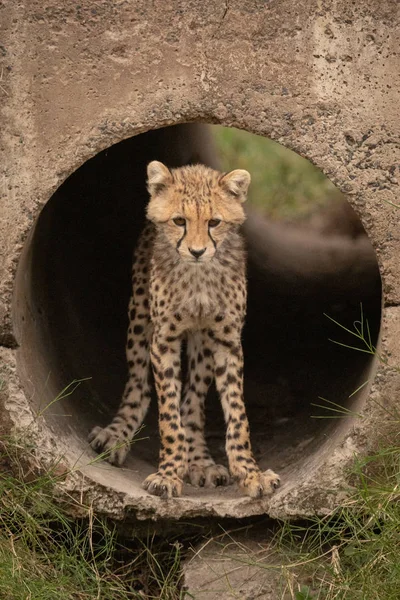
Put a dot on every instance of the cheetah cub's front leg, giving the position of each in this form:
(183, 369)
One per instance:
(165, 358)
(228, 358)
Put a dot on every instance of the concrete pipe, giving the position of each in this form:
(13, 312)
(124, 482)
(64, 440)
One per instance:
(91, 93)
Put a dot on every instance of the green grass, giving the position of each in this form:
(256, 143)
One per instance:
(285, 185)
(47, 554)
(354, 554)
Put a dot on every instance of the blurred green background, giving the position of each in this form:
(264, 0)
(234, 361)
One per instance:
(284, 185)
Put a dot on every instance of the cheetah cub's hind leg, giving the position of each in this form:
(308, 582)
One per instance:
(172, 467)
(115, 439)
(202, 470)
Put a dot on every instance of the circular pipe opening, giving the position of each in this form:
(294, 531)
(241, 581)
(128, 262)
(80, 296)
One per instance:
(71, 301)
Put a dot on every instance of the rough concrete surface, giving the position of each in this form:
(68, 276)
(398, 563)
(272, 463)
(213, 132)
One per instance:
(88, 93)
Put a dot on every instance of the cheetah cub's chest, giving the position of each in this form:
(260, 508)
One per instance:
(199, 293)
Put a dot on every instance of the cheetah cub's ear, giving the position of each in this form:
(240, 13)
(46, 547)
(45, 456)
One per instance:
(236, 183)
(158, 177)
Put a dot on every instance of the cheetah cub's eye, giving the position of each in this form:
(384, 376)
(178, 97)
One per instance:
(214, 222)
(180, 221)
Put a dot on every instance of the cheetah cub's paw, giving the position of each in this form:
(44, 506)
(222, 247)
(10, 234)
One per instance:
(114, 445)
(210, 476)
(258, 484)
(163, 485)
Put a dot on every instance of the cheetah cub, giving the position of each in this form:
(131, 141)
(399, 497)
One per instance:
(188, 282)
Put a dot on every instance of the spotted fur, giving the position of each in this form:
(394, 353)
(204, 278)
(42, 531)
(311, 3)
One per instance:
(188, 281)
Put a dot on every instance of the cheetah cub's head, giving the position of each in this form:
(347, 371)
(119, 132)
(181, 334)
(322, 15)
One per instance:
(196, 207)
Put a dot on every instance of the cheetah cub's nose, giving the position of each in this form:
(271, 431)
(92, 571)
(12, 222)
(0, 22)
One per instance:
(197, 253)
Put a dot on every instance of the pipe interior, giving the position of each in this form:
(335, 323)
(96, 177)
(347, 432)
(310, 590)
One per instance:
(72, 295)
